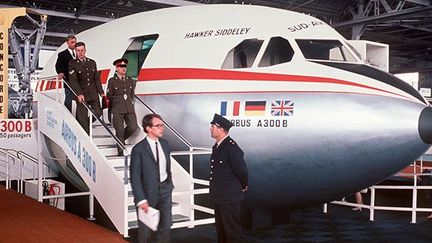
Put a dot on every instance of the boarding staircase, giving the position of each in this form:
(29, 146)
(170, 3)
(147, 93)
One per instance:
(106, 174)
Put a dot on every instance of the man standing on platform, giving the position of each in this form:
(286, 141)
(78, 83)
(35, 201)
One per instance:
(228, 181)
(121, 93)
(85, 81)
(150, 174)
(62, 68)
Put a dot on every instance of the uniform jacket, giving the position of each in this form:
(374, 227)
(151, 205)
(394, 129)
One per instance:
(144, 171)
(62, 64)
(84, 79)
(228, 173)
(117, 89)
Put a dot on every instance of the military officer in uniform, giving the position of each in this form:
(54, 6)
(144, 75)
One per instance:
(228, 181)
(121, 93)
(85, 82)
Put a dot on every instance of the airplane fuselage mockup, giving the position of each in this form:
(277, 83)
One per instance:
(314, 121)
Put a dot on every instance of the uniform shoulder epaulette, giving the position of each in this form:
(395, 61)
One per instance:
(232, 142)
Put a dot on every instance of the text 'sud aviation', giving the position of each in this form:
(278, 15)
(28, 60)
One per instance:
(314, 121)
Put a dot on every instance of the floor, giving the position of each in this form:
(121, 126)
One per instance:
(340, 224)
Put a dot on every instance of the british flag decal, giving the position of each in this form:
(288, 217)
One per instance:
(282, 108)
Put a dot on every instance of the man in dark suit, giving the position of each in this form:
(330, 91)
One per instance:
(85, 82)
(121, 93)
(228, 181)
(150, 172)
(62, 68)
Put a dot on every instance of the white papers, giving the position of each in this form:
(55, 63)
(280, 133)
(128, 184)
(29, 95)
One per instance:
(151, 218)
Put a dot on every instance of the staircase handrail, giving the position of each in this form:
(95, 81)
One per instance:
(177, 134)
(26, 155)
(20, 155)
(118, 142)
(111, 134)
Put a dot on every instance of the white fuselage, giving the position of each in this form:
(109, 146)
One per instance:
(315, 122)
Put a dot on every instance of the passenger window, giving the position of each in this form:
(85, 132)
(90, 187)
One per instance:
(137, 53)
(243, 55)
(278, 51)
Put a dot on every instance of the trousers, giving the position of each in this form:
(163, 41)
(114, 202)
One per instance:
(164, 205)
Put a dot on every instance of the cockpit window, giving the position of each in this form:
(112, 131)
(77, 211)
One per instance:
(329, 50)
(243, 55)
(278, 51)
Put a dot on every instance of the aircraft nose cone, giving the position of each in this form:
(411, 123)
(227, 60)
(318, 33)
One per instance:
(425, 125)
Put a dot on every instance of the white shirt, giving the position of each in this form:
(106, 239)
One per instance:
(162, 162)
(72, 52)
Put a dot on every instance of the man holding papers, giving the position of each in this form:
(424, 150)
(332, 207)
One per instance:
(150, 172)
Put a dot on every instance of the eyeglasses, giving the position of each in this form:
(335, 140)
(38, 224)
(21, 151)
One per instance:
(158, 125)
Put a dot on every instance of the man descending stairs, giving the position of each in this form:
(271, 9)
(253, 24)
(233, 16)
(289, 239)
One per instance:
(108, 148)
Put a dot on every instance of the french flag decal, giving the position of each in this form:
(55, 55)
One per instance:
(230, 108)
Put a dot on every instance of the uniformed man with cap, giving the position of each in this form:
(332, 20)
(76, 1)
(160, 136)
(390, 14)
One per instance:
(228, 181)
(85, 81)
(121, 93)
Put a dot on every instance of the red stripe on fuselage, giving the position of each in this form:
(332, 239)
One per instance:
(162, 74)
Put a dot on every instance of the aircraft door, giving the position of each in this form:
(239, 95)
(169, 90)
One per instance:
(137, 53)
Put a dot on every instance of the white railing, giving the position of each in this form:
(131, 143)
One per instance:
(15, 162)
(192, 192)
(372, 207)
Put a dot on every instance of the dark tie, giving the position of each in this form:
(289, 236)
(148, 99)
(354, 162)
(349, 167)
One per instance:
(157, 153)
(73, 54)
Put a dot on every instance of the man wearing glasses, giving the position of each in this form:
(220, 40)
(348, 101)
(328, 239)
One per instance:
(121, 93)
(150, 173)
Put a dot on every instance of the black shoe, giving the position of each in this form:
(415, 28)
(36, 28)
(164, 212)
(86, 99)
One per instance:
(120, 153)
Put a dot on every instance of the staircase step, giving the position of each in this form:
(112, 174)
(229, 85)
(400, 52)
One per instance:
(100, 130)
(97, 125)
(179, 218)
(103, 139)
(133, 224)
(175, 218)
(104, 146)
(132, 208)
(109, 151)
(119, 168)
(115, 160)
